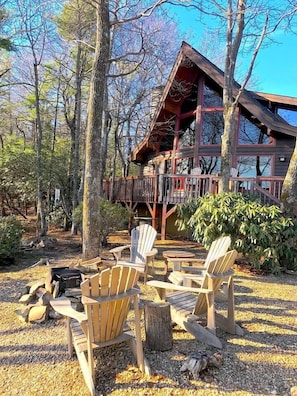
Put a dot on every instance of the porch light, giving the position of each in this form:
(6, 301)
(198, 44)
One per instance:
(282, 159)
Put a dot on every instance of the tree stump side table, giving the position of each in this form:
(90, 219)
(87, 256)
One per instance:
(158, 326)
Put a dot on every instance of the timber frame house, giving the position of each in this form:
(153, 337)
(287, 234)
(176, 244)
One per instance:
(179, 157)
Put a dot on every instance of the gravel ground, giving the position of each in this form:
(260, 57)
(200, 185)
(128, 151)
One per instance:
(34, 359)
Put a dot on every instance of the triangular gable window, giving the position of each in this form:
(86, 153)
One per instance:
(211, 98)
(249, 133)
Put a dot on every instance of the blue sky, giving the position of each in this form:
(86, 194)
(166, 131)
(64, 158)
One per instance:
(276, 66)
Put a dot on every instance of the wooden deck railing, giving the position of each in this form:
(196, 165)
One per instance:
(174, 189)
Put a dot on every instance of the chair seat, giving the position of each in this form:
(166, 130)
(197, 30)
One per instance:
(81, 343)
(183, 302)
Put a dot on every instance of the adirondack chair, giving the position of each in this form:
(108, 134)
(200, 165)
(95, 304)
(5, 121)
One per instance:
(142, 253)
(188, 303)
(106, 298)
(218, 247)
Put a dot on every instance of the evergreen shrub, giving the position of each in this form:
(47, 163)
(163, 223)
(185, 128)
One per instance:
(11, 231)
(261, 233)
(113, 216)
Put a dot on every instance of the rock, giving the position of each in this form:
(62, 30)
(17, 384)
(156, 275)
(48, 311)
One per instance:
(199, 361)
(294, 391)
(22, 314)
(56, 289)
(38, 314)
(25, 290)
(26, 298)
(35, 286)
(44, 297)
(42, 261)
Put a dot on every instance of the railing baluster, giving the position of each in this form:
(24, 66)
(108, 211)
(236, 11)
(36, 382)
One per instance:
(178, 188)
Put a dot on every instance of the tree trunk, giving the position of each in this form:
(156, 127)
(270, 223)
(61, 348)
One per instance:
(92, 180)
(77, 121)
(234, 33)
(41, 228)
(228, 144)
(289, 190)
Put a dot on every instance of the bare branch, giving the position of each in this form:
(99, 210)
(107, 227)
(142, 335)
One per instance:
(145, 13)
(254, 56)
(3, 72)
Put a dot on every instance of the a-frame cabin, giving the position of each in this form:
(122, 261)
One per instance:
(179, 157)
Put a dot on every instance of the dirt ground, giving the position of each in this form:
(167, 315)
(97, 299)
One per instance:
(263, 362)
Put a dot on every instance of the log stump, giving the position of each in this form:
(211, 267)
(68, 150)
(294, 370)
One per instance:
(158, 326)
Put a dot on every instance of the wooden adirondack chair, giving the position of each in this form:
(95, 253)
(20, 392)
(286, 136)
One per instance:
(218, 247)
(142, 253)
(106, 298)
(188, 303)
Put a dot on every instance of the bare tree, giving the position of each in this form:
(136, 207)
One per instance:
(127, 12)
(246, 24)
(76, 24)
(34, 30)
(130, 94)
(289, 190)
(92, 180)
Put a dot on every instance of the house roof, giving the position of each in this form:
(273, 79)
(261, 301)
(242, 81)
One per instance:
(169, 104)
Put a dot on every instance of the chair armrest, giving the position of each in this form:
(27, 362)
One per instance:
(222, 275)
(161, 288)
(117, 251)
(152, 253)
(172, 286)
(62, 305)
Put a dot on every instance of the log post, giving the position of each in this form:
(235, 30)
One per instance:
(158, 326)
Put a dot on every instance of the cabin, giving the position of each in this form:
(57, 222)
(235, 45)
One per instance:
(179, 158)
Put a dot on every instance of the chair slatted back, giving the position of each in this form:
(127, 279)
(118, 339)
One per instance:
(107, 312)
(142, 241)
(218, 247)
(219, 266)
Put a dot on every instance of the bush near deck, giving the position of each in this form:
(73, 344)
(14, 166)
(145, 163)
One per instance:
(114, 217)
(261, 233)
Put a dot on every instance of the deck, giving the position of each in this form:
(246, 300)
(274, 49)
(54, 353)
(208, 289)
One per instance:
(177, 189)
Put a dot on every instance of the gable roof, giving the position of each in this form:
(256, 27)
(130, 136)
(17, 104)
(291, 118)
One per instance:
(167, 108)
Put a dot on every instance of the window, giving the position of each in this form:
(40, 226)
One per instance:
(249, 133)
(183, 166)
(211, 98)
(210, 165)
(212, 127)
(187, 133)
(289, 115)
(252, 166)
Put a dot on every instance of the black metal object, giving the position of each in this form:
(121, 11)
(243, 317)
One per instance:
(67, 277)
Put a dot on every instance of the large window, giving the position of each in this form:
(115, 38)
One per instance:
(210, 165)
(211, 98)
(187, 132)
(212, 127)
(184, 166)
(251, 134)
(252, 166)
(289, 115)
